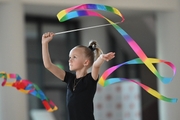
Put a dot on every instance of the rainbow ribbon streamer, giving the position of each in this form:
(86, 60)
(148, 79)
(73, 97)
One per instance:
(27, 87)
(89, 10)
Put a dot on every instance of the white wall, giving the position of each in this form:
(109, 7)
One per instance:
(13, 104)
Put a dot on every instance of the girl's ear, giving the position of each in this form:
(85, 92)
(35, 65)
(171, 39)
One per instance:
(86, 62)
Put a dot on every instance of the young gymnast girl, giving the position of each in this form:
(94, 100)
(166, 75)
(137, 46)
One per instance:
(81, 86)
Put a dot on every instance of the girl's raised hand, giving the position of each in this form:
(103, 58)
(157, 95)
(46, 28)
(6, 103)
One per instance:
(108, 56)
(46, 37)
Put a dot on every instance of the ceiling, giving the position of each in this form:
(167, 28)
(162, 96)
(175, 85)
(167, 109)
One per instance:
(53, 10)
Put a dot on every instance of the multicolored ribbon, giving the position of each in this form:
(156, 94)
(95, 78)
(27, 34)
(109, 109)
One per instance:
(27, 87)
(89, 10)
(105, 82)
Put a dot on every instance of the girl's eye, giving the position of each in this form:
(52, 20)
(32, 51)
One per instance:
(72, 57)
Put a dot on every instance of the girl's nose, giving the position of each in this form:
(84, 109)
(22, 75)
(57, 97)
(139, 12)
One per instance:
(70, 60)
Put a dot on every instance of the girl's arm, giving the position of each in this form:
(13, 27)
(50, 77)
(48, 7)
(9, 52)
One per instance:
(46, 38)
(97, 64)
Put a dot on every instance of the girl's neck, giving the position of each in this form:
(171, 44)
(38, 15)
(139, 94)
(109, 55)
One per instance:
(80, 74)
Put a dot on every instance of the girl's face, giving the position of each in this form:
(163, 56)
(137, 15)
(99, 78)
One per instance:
(76, 59)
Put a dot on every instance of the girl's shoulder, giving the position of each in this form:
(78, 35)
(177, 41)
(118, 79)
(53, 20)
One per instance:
(69, 73)
(69, 76)
(89, 76)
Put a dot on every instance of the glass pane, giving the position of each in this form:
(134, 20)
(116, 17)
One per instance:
(31, 31)
(33, 50)
(58, 47)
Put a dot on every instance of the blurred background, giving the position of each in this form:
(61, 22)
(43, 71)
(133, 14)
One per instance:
(154, 25)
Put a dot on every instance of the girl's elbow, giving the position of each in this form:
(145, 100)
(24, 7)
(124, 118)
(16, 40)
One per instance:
(47, 66)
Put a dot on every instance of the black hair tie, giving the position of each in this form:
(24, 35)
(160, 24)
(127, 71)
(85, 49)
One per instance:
(92, 48)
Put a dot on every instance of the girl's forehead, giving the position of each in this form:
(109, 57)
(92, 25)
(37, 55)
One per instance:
(76, 50)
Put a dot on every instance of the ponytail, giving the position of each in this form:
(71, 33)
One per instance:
(93, 46)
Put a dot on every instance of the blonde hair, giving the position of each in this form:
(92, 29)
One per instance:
(92, 52)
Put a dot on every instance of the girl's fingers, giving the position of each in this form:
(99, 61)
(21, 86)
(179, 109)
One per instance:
(48, 34)
(109, 56)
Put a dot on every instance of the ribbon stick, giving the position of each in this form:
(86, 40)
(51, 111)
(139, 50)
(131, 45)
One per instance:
(91, 10)
(27, 87)
(85, 28)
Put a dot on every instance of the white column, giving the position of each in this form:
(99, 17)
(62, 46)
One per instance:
(168, 48)
(13, 104)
